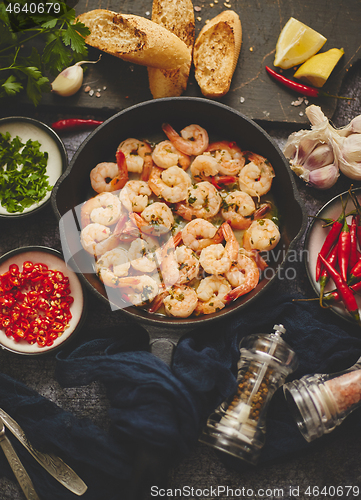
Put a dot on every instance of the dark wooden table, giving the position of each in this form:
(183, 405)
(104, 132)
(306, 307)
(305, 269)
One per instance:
(334, 461)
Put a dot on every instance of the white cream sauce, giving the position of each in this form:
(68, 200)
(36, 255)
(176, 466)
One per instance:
(27, 131)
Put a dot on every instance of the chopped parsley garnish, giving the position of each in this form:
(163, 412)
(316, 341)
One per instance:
(23, 179)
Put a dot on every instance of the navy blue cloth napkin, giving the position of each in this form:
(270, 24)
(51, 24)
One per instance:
(167, 407)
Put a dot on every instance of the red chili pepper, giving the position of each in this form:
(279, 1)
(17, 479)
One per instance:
(346, 293)
(331, 259)
(329, 242)
(334, 296)
(75, 124)
(300, 88)
(353, 233)
(344, 250)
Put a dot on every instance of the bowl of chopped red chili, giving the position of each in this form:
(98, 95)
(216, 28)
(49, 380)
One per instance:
(42, 303)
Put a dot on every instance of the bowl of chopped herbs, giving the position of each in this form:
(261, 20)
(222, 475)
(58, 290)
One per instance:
(32, 158)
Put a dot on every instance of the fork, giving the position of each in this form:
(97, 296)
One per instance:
(16, 465)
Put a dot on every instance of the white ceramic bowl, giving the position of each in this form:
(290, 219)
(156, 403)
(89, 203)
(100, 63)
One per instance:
(29, 128)
(53, 259)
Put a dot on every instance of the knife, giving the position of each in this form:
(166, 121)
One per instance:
(51, 463)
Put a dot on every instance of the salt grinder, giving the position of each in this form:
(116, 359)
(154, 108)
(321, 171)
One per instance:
(320, 402)
(237, 426)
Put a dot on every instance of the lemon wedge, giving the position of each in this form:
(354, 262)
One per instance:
(296, 43)
(318, 68)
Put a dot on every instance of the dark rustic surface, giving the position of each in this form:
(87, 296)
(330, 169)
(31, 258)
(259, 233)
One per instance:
(252, 91)
(332, 460)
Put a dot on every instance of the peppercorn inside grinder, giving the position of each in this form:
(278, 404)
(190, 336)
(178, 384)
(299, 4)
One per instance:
(321, 402)
(238, 425)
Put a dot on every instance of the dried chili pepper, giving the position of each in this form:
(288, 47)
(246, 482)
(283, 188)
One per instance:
(344, 250)
(344, 290)
(75, 124)
(300, 88)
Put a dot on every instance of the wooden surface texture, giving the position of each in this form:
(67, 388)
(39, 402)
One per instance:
(252, 91)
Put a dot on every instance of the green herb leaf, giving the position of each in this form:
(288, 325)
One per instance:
(11, 86)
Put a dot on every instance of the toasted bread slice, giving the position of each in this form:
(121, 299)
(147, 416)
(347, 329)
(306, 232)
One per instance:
(134, 39)
(177, 16)
(216, 52)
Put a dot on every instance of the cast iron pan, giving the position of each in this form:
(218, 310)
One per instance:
(144, 121)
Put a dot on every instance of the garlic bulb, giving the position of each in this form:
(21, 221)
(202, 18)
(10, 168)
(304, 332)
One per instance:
(316, 155)
(69, 81)
(350, 156)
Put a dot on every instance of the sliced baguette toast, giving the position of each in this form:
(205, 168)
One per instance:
(216, 52)
(134, 39)
(177, 16)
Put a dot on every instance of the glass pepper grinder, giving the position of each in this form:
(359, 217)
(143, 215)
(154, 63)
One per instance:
(237, 426)
(320, 402)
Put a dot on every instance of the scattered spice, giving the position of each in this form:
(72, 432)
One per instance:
(197, 8)
(87, 88)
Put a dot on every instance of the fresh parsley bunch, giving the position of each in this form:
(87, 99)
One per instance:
(22, 66)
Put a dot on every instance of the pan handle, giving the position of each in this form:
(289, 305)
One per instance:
(151, 464)
(164, 340)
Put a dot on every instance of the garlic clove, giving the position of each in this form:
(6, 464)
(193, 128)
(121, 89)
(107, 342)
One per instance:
(354, 127)
(325, 177)
(321, 156)
(69, 81)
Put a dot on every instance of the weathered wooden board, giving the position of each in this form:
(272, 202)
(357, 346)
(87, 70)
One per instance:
(252, 92)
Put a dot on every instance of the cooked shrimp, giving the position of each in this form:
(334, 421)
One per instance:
(237, 208)
(166, 155)
(138, 290)
(181, 301)
(232, 245)
(138, 156)
(134, 196)
(200, 233)
(104, 208)
(215, 259)
(156, 218)
(108, 176)
(203, 201)
(166, 256)
(262, 235)
(193, 139)
(229, 157)
(112, 265)
(97, 239)
(211, 293)
(256, 177)
(171, 184)
(204, 166)
(142, 257)
(188, 264)
(243, 275)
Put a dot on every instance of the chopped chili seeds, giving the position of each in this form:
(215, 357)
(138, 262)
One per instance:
(34, 303)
